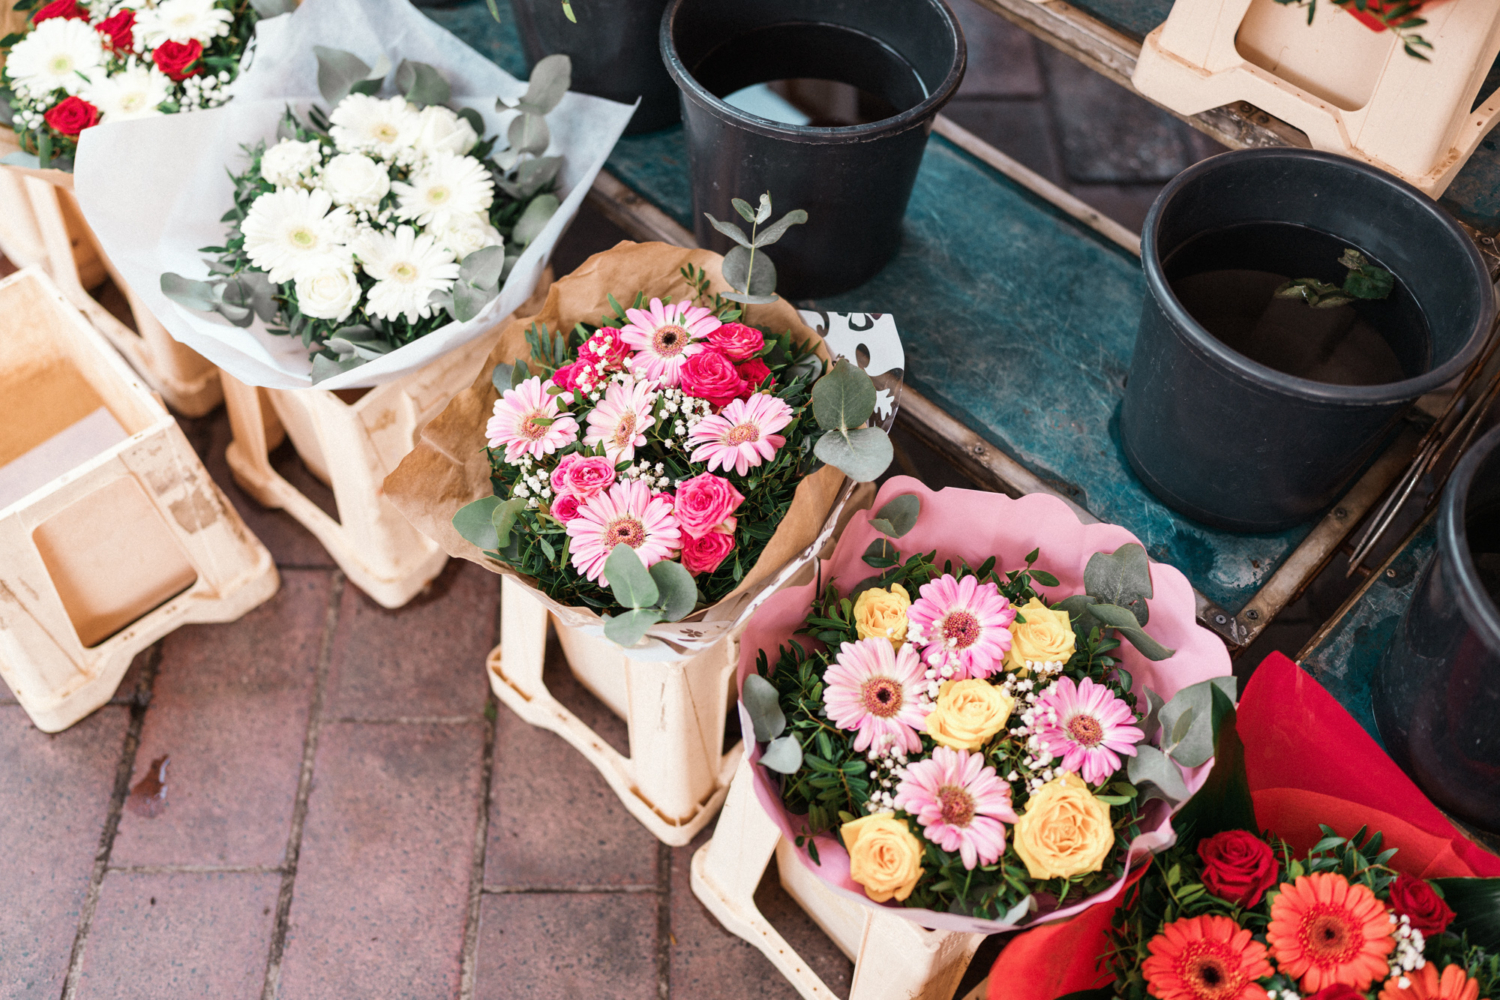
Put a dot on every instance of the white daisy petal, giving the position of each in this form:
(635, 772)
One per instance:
(449, 187)
(290, 230)
(181, 21)
(58, 54)
(364, 124)
(407, 269)
(138, 91)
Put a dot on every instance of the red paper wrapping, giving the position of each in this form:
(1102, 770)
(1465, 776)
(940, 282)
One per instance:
(1308, 762)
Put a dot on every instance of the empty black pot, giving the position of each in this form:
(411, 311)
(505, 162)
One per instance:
(614, 50)
(1238, 444)
(853, 180)
(1437, 690)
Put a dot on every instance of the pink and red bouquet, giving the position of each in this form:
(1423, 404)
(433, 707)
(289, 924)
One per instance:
(983, 713)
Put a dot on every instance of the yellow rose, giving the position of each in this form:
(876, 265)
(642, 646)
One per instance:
(881, 614)
(968, 713)
(884, 857)
(1045, 636)
(1065, 831)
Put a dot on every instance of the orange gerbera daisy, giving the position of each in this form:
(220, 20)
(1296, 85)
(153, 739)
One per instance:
(1326, 931)
(1206, 958)
(1427, 984)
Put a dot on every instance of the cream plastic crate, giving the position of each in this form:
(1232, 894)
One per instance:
(129, 543)
(1352, 90)
(41, 225)
(675, 778)
(894, 959)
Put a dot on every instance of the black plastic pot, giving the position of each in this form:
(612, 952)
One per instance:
(855, 180)
(614, 51)
(1237, 444)
(1437, 690)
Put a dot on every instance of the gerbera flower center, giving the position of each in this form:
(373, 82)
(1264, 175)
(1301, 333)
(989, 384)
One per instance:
(743, 434)
(532, 430)
(437, 195)
(1207, 974)
(133, 102)
(669, 340)
(1086, 730)
(1328, 937)
(960, 630)
(625, 430)
(624, 529)
(60, 64)
(304, 238)
(404, 272)
(882, 697)
(386, 132)
(956, 804)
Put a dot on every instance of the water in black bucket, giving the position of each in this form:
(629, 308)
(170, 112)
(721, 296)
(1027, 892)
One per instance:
(817, 75)
(1227, 280)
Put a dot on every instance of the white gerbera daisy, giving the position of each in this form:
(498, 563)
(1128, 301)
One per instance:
(292, 230)
(137, 91)
(289, 162)
(365, 124)
(181, 21)
(407, 269)
(465, 234)
(58, 54)
(447, 188)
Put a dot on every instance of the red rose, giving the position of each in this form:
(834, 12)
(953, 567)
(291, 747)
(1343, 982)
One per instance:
(565, 507)
(68, 10)
(605, 345)
(1338, 991)
(176, 59)
(1238, 866)
(1414, 899)
(566, 377)
(705, 502)
(703, 555)
(755, 373)
(709, 375)
(120, 30)
(72, 115)
(736, 341)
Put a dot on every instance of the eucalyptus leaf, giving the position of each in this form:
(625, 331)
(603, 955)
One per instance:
(482, 268)
(764, 706)
(535, 218)
(630, 628)
(1224, 802)
(763, 211)
(881, 554)
(501, 377)
(534, 174)
(1015, 913)
(862, 455)
(422, 84)
(777, 229)
(628, 579)
(1080, 609)
(898, 516)
(1121, 578)
(504, 518)
(1189, 720)
(272, 8)
(1151, 723)
(338, 72)
(844, 398)
(475, 120)
(199, 295)
(1125, 623)
(550, 79)
(677, 593)
(475, 522)
(21, 158)
(528, 134)
(1151, 767)
(752, 276)
(325, 368)
(253, 289)
(783, 755)
(743, 207)
(733, 232)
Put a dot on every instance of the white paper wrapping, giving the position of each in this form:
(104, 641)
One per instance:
(153, 190)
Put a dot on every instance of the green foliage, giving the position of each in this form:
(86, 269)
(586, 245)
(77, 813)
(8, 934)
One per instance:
(898, 516)
(1364, 281)
(842, 401)
(752, 285)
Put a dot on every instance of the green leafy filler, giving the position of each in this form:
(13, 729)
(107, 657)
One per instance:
(1364, 281)
(825, 782)
(525, 199)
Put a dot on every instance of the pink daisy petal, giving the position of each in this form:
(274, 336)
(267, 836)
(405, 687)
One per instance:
(515, 423)
(873, 690)
(665, 337)
(621, 419)
(961, 804)
(628, 513)
(964, 625)
(1087, 726)
(742, 435)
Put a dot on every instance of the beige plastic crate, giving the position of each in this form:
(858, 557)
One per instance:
(894, 958)
(1352, 90)
(41, 225)
(675, 778)
(131, 541)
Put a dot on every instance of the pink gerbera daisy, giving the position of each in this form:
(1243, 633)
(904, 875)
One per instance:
(964, 624)
(621, 419)
(529, 421)
(960, 803)
(1087, 726)
(664, 338)
(628, 513)
(742, 434)
(872, 689)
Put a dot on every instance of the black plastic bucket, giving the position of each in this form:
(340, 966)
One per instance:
(1437, 690)
(614, 51)
(853, 180)
(1240, 445)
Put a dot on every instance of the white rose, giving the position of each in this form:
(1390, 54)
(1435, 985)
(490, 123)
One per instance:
(286, 163)
(442, 131)
(467, 234)
(327, 293)
(355, 179)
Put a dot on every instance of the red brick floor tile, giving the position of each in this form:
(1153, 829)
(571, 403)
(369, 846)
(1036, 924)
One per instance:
(546, 946)
(710, 963)
(230, 708)
(180, 935)
(387, 854)
(554, 823)
(54, 797)
(425, 659)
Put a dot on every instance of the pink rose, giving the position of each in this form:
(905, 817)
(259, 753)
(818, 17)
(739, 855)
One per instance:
(755, 373)
(736, 341)
(709, 375)
(566, 377)
(582, 476)
(565, 507)
(704, 502)
(605, 345)
(703, 555)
